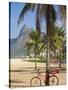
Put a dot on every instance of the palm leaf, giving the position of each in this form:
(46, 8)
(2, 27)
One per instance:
(26, 8)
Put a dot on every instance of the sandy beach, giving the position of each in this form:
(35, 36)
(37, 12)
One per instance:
(22, 71)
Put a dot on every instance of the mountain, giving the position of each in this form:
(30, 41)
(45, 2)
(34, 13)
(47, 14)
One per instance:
(17, 45)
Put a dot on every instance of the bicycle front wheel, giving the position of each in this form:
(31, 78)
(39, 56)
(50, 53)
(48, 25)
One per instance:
(35, 81)
(53, 80)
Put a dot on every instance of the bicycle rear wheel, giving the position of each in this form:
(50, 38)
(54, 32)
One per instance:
(35, 81)
(53, 80)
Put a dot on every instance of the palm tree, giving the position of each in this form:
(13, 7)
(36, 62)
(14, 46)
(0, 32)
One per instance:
(48, 13)
(58, 40)
(33, 44)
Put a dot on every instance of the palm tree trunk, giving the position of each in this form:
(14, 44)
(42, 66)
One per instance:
(57, 56)
(47, 64)
(60, 64)
(35, 63)
(35, 58)
(60, 60)
(48, 27)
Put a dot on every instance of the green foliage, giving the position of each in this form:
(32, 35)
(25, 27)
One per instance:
(58, 37)
(35, 44)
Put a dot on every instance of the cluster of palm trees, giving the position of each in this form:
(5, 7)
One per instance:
(35, 45)
(47, 13)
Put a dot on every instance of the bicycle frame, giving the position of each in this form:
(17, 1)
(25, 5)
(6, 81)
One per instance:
(42, 77)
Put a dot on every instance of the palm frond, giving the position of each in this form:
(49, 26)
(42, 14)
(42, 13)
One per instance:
(63, 11)
(26, 8)
(38, 28)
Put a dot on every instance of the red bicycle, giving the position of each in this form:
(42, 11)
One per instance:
(37, 80)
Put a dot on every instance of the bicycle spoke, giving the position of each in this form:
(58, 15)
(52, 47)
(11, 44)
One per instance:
(35, 81)
(53, 80)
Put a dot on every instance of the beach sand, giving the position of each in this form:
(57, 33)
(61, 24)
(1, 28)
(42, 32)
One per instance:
(22, 71)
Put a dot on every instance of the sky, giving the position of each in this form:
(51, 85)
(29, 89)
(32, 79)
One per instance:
(29, 19)
(15, 9)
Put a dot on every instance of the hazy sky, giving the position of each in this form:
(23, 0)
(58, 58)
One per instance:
(15, 9)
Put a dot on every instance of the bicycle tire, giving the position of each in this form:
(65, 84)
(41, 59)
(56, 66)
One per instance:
(54, 78)
(32, 81)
